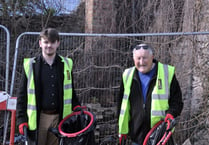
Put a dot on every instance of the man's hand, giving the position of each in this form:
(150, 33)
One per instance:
(168, 116)
(122, 138)
(21, 126)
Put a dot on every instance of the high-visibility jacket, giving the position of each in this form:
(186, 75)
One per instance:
(67, 90)
(160, 96)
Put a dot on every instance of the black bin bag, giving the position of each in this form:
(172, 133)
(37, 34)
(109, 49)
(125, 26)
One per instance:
(161, 133)
(77, 129)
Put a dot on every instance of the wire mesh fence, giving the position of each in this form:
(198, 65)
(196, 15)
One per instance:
(4, 58)
(99, 60)
(4, 73)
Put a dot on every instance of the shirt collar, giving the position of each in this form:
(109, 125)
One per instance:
(54, 62)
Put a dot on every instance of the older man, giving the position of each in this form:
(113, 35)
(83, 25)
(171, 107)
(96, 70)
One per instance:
(149, 91)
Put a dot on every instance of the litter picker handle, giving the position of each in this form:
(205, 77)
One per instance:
(25, 130)
(123, 141)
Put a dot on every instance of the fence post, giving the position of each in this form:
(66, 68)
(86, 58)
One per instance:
(11, 106)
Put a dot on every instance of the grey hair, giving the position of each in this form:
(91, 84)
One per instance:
(144, 46)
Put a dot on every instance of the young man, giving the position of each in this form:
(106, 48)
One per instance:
(46, 94)
(149, 91)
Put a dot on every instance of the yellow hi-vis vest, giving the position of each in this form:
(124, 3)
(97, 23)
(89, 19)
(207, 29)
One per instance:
(160, 96)
(67, 90)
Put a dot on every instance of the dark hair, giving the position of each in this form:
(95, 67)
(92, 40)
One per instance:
(51, 34)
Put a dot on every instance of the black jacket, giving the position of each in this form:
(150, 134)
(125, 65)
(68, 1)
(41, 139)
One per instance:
(21, 111)
(139, 124)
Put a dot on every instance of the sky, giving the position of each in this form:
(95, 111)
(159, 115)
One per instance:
(68, 5)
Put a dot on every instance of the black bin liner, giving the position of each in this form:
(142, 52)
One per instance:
(160, 131)
(78, 129)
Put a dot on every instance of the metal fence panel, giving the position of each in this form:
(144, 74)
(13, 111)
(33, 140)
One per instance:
(4, 58)
(99, 60)
(4, 75)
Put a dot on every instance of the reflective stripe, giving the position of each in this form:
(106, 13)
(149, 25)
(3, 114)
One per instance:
(31, 107)
(67, 62)
(122, 112)
(160, 97)
(158, 113)
(166, 79)
(68, 101)
(128, 74)
(125, 96)
(30, 73)
(68, 86)
(31, 91)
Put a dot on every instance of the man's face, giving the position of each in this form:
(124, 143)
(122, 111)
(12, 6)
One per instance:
(48, 48)
(143, 60)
